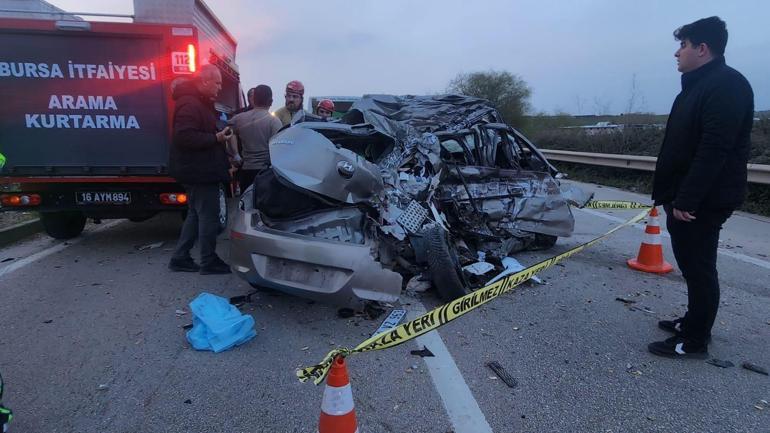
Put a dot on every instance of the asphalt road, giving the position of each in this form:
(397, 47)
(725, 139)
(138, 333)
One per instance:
(90, 341)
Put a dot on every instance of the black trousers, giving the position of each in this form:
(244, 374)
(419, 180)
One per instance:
(201, 224)
(695, 246)
(246, 177)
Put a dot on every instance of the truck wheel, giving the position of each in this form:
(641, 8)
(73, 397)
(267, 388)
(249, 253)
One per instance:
(140, 218)
(63, 225)
(222, 210)
(443, 265)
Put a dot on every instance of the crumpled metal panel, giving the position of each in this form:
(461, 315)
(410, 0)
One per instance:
(412, 120)
(340, 225)
(308, 160)
(390, 114)
(510, 200)
(547, 215)
(574, 195)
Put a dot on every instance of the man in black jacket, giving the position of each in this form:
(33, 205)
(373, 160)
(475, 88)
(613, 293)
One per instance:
(198, 161)
(700, 177)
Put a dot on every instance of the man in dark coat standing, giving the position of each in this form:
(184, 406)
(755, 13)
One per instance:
(199, 162)
(700, 177)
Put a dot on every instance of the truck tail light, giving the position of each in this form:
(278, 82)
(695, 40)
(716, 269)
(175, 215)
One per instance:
(191, 57)
(173, 198)
(16, 200)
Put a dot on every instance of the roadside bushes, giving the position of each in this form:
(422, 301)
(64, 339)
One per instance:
(644, 142)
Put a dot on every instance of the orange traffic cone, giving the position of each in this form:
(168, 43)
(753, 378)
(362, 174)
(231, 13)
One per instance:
(650, 258)
(338, 414)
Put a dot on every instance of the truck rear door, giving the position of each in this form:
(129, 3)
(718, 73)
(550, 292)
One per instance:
(90, 102)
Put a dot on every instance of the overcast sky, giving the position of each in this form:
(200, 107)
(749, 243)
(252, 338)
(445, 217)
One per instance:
(578, 57)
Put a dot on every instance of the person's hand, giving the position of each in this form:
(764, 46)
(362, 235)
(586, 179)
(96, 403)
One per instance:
(683, 215)
(224, 135)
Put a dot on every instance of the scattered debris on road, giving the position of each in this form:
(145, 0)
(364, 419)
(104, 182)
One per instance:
(755, 368)
(423, 352)
(633, 370)
(502, 373)
(242, 299)
(625, 300)
(512, 266)
(643, 309)
(720, 363)
(151, 246)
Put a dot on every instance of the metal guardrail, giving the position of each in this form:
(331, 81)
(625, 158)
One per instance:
(758, 173)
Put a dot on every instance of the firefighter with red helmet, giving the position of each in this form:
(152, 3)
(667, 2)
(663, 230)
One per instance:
(325, 108)
(295, 91)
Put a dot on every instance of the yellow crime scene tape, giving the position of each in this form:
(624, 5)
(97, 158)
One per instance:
(446, 313)
(613, 204)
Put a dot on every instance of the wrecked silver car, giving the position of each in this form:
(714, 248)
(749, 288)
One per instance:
(402, 188)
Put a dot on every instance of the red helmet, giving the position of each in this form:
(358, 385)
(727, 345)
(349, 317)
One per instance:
(295, 87)
(326, 104)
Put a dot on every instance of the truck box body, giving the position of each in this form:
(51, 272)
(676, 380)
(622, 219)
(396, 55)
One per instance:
(86, 112)
(79, 103)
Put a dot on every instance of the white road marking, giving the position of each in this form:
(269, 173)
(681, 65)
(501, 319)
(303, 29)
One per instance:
(737, 256)
(461, 407)
(54, 249)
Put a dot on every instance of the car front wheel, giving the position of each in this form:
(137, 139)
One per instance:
(443, 265)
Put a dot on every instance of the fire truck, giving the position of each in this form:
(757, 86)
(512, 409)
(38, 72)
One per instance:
(87, 110)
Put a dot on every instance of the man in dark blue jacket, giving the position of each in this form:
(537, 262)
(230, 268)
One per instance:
(198, 161)
(700, 177)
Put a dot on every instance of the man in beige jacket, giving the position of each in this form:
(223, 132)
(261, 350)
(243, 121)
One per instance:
(254, 128)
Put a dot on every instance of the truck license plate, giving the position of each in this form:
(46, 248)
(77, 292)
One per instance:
(107, 197)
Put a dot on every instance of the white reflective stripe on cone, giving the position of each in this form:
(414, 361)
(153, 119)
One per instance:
(337, 401)
(651, 239)
(653, 221)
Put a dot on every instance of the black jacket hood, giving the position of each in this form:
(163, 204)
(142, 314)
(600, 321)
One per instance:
(189, 88)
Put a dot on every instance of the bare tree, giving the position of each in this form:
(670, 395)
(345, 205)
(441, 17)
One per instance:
(634, 105)
(579, 104)
(636, 100)
(601, 106)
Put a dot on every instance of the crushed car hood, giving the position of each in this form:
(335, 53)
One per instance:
(308, 160)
